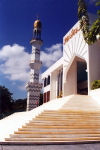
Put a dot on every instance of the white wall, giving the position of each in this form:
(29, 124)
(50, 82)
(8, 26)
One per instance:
(94, 63)
(70, 86)
(53, 91)
(46, 89)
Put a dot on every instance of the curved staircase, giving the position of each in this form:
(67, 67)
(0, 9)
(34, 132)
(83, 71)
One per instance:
(77, 121)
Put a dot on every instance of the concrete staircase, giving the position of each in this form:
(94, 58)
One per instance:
(77, 121)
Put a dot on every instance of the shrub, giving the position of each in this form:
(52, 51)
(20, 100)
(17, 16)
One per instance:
(95, 84)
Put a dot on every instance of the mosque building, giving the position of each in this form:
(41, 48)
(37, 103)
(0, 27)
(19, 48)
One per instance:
(74, 72)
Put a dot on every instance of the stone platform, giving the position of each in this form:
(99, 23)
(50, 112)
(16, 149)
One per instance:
(61, 124)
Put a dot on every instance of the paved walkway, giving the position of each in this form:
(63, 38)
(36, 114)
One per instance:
(53, 147)
(81, 102)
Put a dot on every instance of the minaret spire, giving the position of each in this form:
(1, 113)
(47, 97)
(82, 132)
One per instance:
(33, 86)
(37, 29)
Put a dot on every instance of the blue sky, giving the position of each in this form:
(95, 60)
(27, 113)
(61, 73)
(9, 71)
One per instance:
(16, 25)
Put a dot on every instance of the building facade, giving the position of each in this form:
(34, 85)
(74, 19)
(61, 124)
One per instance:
(76, 70)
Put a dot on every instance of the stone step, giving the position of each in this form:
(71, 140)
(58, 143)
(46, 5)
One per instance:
(53, 135)
(62, 127)
(60, 123)
(66, 115)
(75, 111)
(65, 120)
(72, 110)
(55, 123)
(22, 130)
(70, 115)
(58, 132)
(72, 139)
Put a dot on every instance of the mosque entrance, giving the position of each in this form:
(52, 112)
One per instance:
(76, 78)
(82, 81)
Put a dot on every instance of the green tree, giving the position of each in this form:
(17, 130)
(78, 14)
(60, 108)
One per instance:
(89, 33)
(5, 100)
(19, 105)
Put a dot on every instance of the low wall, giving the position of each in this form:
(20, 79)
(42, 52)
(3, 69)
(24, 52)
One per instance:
(95, 94)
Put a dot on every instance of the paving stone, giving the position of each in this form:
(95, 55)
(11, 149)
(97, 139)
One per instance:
(1, 147)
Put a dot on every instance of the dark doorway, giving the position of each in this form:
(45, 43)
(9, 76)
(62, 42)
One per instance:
(82, 84)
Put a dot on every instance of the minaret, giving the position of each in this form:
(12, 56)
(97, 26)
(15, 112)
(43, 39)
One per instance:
(33, 86)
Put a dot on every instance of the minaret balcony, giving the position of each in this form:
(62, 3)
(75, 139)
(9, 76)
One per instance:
(35, 64)
(36, 41)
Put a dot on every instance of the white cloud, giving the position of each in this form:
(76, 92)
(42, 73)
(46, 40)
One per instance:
(51, 54)
(14, 62)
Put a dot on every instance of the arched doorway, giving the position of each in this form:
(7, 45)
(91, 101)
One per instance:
(76, 77)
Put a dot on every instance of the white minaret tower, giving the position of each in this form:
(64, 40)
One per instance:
(33, 86)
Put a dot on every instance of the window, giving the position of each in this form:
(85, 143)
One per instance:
(44, 82)
(48, 81)
(59, 83)
(46, 97)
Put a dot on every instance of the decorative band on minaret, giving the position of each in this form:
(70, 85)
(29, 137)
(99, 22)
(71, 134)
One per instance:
(33, 86)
